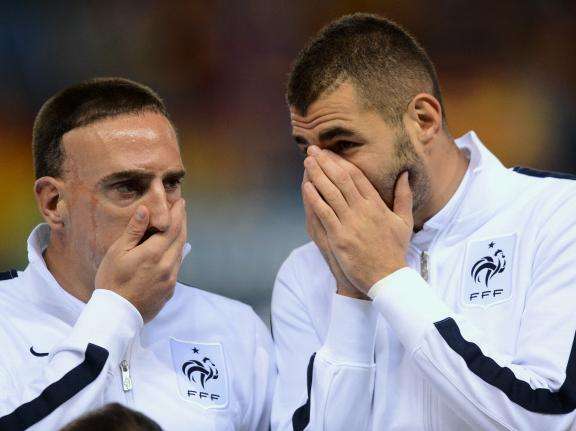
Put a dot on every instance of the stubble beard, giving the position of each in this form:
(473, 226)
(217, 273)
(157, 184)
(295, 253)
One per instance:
(405, 159)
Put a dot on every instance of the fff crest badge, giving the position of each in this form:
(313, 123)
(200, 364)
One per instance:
(487, 278)
(201, 372)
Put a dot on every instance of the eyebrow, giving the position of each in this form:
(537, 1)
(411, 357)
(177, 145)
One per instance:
(334, 132)
(330, 134)
(174, 175)
(138, 175)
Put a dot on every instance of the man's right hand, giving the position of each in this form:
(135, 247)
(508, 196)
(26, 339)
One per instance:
(318, 234)
(145, 274)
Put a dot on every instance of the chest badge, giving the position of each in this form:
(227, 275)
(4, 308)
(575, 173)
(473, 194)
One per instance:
(201, 372)
(488, 271)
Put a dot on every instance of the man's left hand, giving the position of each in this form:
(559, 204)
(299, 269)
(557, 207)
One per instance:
(368, 239)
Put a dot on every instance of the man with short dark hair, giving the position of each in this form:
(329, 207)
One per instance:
(98, 316)
(113, 417)
(437, 292)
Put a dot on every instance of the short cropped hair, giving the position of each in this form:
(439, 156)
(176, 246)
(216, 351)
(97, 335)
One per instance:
(80, 105)
(385, 64)
(113, 417)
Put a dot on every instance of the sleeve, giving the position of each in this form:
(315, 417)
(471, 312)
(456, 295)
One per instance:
(78, 372)
(535, 389)
(264, 378)
(318, 378)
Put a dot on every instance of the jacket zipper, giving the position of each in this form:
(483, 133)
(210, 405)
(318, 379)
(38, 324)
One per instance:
(424, 265)
(127, 382)
(428, 395)
(425, 272)
(126, 379)
(426, 392)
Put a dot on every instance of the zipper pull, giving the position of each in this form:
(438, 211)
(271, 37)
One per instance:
(126, 379)
(424, 272)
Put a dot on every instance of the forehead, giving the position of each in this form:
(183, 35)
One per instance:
(144, 141)
(335, 108)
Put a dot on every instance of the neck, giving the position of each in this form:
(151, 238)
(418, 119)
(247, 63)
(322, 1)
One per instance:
(448, 167)
(65, 269)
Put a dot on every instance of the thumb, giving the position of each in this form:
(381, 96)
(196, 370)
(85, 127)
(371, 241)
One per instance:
(136, 228)
(403, 199)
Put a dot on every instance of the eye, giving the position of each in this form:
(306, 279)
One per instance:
(303, 150)
(343, 146)
(172, 184)
(123, 188)
(127, 189)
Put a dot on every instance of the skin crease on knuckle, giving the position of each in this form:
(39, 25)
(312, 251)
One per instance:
(112, 167)
(165, 269)
(341, 179)
(332, 169)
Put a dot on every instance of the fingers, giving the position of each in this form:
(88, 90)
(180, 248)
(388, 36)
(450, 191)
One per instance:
(313, 225)
(317, 234)
(403, 199)
(362, 183)
(338, 176)
(320, 208)
(178, 244)
(325, 187)
(307, 210)
(172, 257)
(136, 228)
(161, 241)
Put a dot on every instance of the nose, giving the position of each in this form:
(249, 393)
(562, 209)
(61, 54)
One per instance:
(159, 206)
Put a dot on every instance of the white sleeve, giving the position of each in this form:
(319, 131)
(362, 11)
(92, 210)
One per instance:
(535, 389)
(317, 381)
(263, 368)
(79, 369)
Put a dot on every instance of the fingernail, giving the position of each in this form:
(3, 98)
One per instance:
(313, 150)
(140, 214)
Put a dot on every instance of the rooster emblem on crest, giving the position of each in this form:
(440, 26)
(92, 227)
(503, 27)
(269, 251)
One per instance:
(200, 371)
(489, 266)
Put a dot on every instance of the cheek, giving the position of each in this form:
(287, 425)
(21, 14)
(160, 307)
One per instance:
(108, 225)
(97, 226)
(381, 171)
(375, 167)
(174, 196)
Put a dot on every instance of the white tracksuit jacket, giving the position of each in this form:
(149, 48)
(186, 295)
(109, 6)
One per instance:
(476, 334)
(203, 363)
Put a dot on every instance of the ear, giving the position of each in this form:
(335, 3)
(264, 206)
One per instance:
(49, 192)
(424, 117)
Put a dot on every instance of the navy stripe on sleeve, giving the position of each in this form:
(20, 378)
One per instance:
(301, 417)
(543, 174)
(7, 275)
(518, 391)
(58, 392)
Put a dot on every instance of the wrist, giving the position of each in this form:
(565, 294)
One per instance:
(351, 293)
(380, 275)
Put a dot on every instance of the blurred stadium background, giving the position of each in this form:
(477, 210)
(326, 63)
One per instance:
(507, 69)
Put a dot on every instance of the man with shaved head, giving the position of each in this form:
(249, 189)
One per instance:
(98, 316)
(438, 291)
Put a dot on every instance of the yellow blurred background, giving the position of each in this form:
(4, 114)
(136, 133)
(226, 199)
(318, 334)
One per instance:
(507, 70)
